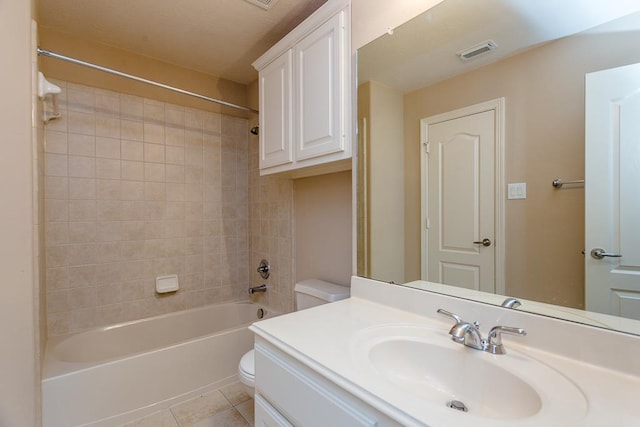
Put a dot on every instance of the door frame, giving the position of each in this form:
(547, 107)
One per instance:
(498, 107)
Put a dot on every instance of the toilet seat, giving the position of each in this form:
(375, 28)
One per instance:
(247, 368)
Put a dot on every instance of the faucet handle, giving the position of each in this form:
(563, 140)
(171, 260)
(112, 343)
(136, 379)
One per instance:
(455, 317)
(494, 339)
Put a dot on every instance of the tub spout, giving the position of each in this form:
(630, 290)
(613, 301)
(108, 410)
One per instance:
(261, 288)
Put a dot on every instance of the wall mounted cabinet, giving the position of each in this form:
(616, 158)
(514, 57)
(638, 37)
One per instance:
(276, 130)
(305, 96)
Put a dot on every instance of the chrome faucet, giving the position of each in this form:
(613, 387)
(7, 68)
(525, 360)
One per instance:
(261, 288)
(511, 303)
(464, 332)
(469, 335)
(494, 339)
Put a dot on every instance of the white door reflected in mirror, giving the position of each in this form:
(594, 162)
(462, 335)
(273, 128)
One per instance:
(460, 176)
(612, 199)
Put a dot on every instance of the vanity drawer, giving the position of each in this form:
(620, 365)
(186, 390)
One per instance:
(268, 416)
(306, 399)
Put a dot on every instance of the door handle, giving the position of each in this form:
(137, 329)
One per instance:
(599, 253)
(483, 242)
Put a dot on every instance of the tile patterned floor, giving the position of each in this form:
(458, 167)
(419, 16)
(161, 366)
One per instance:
(229, 406)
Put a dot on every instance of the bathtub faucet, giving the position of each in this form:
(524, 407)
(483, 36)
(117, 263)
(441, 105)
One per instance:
(261, 288)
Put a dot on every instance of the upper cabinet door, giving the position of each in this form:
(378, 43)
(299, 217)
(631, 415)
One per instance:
(305, 96)
(276, 129)
(320, 90)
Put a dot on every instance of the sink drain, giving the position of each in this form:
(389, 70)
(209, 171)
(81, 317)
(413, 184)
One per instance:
(457, 405)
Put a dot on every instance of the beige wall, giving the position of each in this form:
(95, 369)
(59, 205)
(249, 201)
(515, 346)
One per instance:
(544, 91)
(323, 228)
(361, 177)
(19, 386)
(39, 269)
(140, 66)
(253, 95)
(381, 108)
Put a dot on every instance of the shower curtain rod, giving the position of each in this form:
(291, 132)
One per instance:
(140, 79)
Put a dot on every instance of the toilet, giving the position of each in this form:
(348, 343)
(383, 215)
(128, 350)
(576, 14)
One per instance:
(309, 293)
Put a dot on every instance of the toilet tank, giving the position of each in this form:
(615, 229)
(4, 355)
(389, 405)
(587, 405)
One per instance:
(312, 292)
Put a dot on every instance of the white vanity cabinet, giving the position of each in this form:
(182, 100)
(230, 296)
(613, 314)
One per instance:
(268, 416)
(289, 393)
(304, 91)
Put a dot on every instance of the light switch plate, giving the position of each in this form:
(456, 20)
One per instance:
(517, 190)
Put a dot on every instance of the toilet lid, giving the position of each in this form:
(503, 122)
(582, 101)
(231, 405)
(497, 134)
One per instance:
(247, 363)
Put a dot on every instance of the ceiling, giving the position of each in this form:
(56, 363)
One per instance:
(217, 37)
(453, 25)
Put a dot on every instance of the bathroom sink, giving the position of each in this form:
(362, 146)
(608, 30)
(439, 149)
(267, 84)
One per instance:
(443, 374)
(425, 366)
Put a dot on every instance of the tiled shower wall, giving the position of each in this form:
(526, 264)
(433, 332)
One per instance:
(136, 189)
(271, 234)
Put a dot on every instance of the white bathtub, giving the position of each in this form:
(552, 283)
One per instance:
(111, 375)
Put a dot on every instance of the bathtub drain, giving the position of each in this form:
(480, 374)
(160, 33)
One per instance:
(260, 313)
(457, 405)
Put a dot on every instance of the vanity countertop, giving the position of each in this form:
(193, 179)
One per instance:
(326, 339)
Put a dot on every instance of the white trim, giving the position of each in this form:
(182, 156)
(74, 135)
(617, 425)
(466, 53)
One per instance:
(498, 106)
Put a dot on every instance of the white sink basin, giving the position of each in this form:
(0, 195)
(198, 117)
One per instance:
(424, 365)
(442, 374)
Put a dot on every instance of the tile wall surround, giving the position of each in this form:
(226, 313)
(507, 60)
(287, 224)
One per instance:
(136, 188)
(271, 234)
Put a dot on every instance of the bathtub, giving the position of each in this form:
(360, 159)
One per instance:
(111, 375)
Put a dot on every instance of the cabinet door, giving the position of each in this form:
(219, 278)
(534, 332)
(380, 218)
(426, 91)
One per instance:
(320, 86)
(268, 416)
(303, 397)
(275, 112)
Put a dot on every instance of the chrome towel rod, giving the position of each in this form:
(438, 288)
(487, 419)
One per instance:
(558, 183)
(140, 79)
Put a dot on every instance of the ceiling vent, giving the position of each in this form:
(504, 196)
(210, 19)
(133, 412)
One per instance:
(480, 49)
(264, 4)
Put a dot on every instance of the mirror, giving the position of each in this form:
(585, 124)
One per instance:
(542, 52)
